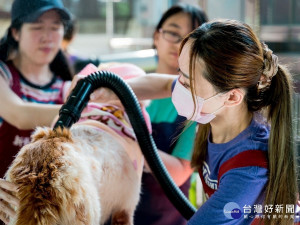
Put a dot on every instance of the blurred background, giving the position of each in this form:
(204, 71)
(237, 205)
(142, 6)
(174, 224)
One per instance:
(115, 27)
(121, 30)
(108, 27)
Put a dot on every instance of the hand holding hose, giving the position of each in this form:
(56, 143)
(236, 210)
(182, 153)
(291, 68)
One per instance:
(102, 94)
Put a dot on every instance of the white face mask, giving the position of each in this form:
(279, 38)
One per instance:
(183, 101)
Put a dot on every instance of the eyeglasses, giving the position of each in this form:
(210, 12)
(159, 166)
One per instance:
(171, 36)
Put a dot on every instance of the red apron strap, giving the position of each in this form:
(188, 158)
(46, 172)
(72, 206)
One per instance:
(244, 159)
(16, 87)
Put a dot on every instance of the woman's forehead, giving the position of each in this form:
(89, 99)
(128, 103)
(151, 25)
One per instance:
(184, 60)
(184, 56)
(179, 20)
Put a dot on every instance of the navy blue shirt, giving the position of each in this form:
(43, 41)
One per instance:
(240, 188)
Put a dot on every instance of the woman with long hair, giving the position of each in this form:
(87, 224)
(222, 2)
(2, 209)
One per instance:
(233, 86)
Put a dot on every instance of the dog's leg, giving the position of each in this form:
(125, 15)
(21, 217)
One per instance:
(122, 218)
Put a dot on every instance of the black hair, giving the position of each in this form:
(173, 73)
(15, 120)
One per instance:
(59, 66)
(71, 28)
(198, 16)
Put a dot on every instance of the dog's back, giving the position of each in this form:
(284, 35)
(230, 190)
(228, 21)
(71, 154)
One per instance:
(75, 177)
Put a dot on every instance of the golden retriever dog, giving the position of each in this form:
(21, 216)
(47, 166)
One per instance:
(82, 175)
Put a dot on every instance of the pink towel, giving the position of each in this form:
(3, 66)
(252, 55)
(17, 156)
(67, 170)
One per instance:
(88, 70)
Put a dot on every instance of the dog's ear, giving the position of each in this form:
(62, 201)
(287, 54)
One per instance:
(36, 170)
(35, 210)
(40, 201)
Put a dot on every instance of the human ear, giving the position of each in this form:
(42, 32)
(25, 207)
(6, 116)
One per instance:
(155, 38)
(15, 34)
(235, 97)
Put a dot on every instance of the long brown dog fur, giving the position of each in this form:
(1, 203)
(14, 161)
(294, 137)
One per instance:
(79, 176)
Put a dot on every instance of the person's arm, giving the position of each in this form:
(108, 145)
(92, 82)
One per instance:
(24, 115)
(8, 200)
(182, 153)
(178, 164)
(179, 169)
(151, 86)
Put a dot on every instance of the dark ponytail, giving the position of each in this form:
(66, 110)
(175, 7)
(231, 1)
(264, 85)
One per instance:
(61, 67)
(7, 43)
(282, 163)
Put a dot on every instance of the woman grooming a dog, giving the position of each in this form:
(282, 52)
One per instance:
(33, 74)
(232, 85)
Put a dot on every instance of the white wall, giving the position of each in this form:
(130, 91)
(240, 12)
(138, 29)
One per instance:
(228, 9)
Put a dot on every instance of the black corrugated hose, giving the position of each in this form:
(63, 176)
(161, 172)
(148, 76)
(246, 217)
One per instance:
(71, 110)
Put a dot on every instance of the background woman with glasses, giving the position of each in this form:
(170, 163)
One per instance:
(154, 207)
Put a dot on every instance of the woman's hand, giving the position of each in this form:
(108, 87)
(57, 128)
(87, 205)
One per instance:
(8, 200)
(102, 95)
